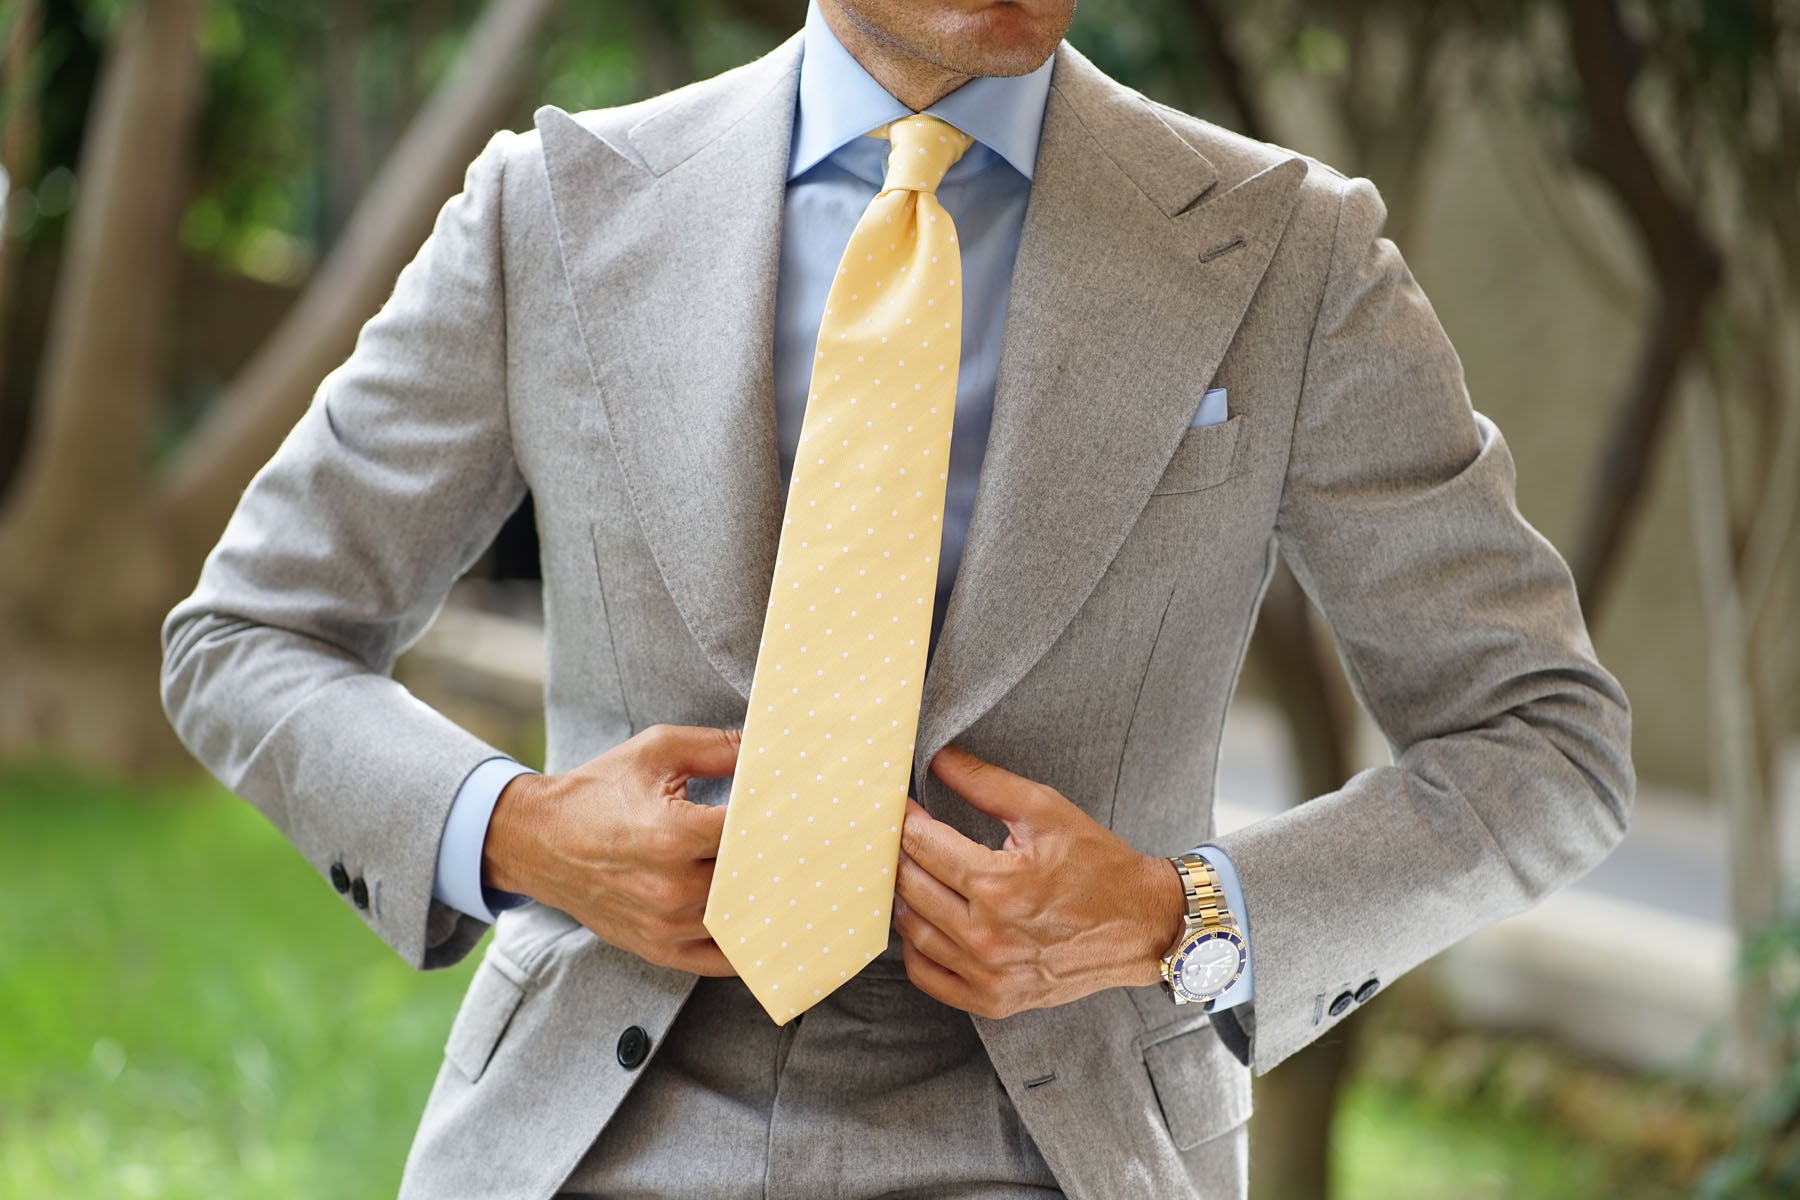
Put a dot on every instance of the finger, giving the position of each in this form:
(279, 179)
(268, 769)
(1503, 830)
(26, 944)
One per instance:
(936, 980)
(688, 750)
(703, 957)
(693, 883)
(994, 790)
(698, 827)
(942, 851)
(933, 942)
(934, 900)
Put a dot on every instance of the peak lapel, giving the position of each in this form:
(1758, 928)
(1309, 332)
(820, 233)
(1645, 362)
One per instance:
(1125, 294)
(670, 237)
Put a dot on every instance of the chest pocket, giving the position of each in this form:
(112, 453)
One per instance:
(1206, 456)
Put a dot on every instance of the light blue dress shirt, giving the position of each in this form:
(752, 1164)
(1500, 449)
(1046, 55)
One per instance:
(833, 174)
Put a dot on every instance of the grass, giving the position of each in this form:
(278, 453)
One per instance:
(1396, 1145)
(187, 1009)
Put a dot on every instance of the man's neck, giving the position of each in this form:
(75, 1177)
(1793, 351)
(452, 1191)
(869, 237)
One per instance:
(913, 81)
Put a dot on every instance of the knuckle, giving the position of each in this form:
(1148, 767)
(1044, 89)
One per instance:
(662, 842)
(1013, 903)
(660, 896)
(988, 883)
(996, 1004)
(666, 930)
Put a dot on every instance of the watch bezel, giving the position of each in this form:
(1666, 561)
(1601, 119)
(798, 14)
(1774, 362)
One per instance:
(1191, 942)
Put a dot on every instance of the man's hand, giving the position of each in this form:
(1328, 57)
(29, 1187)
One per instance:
(617, 845)
(1062, 909)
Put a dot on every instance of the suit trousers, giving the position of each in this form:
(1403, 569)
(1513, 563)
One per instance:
(876, 1091)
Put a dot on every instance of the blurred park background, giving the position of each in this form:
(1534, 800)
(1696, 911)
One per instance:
(205, 199)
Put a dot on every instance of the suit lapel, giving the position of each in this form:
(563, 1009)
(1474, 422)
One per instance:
(1124, 298)
(1133, 272)
(671, 257)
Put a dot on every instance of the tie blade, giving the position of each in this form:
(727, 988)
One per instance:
(799, 915)
(787, 988)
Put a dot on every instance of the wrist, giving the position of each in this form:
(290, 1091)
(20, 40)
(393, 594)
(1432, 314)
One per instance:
(509, 848)
(1165, 908)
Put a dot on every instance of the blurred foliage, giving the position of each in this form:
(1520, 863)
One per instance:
(1628, 1133)
(264, 196)
(1763, 1161)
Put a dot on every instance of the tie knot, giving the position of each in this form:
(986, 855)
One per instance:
(924, 147)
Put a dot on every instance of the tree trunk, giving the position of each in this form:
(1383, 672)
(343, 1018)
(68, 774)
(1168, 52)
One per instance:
(1745, 718)
(94, 549)
(1290, 1136)
(1683, 262)
(79, 539)
(18, 149)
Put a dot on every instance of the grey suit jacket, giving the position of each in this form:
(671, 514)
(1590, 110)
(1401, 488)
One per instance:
(591, 318)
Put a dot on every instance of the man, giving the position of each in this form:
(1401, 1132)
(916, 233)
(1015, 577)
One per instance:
(1177, 353)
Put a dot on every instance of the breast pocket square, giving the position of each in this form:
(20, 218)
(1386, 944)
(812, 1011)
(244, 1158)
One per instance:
(1211, 410)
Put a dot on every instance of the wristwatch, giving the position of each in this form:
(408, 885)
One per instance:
(1209, 954)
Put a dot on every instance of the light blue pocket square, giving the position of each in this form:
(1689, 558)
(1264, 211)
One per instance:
(1211, 410)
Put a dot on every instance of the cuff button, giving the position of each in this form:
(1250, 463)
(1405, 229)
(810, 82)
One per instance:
(1367, 989)
(340, 878)
(1340, 1004)
(359, 893)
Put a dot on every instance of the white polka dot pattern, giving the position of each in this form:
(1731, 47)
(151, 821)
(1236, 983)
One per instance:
(803, 886)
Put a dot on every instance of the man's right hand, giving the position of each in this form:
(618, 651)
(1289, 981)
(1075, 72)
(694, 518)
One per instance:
(617, 845)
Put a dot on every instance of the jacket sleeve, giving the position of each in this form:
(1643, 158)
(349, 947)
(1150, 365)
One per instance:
(277, 669)
(1460, 632)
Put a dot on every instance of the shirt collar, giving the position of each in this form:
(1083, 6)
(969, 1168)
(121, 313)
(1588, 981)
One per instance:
(839, 101)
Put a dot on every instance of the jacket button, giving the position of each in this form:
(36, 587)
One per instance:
(1340, 1004)
(359, 893)
(634, 1047)
(340, 878)
(1367, 989)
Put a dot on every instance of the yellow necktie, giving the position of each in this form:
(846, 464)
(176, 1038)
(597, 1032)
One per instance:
(803, 886)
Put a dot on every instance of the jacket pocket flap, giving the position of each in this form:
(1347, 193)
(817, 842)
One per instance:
(1202, 1089)
(486, 1010)
(1205, 456)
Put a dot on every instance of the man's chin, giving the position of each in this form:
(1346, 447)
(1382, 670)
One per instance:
(1000, 39)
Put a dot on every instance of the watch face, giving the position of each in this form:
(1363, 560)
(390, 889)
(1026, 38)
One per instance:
(1210, 964)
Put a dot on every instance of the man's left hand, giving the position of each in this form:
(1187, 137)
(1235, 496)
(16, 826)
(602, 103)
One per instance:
(1062, 909)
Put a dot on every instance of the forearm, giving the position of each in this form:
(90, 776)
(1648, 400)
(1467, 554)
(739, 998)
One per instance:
(352, 768)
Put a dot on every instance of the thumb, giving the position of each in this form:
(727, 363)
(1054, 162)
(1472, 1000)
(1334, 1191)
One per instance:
(1012, 799)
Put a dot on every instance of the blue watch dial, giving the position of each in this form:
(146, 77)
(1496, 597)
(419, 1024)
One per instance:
(1209, 963)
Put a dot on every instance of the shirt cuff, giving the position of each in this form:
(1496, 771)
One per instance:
(1220, 862)
(458, 878)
